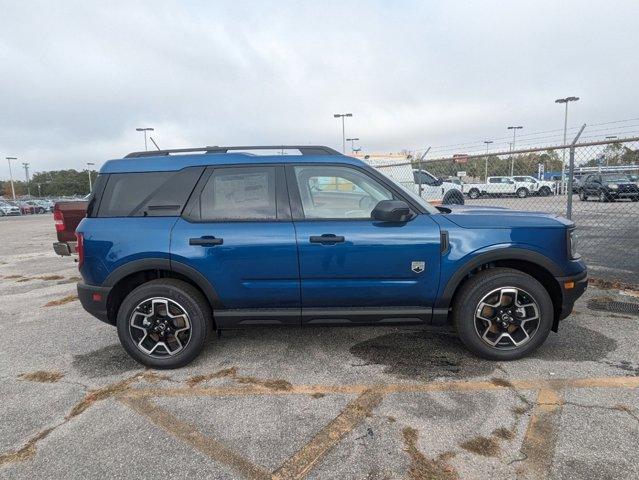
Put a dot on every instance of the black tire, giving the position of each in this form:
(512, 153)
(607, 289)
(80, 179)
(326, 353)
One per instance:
(603, 197)
(453, 197)
(194, 304)
(635, 199)
(583, 197)
(522, 192)
(544, 192)
(478, 286)
(473, 193)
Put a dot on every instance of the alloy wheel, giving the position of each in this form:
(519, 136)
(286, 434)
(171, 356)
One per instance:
(507, 318)
(160, 327)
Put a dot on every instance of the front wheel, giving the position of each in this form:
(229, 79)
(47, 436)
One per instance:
(502, 314)
(164, 323)
(545, 192)
(603, 197)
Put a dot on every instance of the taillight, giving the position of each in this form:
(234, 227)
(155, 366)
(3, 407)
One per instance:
(58, 219)
(80, 248)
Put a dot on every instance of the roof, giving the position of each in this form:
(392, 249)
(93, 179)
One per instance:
(166, 160)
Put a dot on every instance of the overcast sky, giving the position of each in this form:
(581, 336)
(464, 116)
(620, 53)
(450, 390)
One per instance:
(76, 78)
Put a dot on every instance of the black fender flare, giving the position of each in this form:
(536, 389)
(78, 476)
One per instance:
(164, 264)
(505, 253)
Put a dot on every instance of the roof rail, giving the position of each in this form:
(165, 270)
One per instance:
(304, 150)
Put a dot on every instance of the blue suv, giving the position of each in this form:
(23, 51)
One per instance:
(178, 243)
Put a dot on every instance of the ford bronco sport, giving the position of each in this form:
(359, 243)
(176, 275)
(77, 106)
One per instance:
(177, 243)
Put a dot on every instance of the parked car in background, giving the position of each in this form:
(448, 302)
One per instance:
(7, 209)
(608, 187)
(421, 182)
(494, 186)
(174, 247)
(25, 208)
(66, 216)
(37, 206)
(542, 188)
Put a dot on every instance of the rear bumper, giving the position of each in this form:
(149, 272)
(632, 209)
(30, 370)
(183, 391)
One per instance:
(65, 248)
(94, 300)
(572, 288)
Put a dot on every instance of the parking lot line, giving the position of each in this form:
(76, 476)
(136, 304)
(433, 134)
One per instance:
(537, 447)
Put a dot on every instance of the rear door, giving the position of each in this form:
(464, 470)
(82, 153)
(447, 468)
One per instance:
(354, 269)
(237, 232)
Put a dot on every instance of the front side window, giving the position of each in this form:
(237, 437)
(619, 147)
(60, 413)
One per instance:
(239, 193)
(334, 192)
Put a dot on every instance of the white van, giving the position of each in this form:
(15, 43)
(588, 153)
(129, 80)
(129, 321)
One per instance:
(420, 181)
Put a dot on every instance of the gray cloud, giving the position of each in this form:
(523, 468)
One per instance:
(79, 76)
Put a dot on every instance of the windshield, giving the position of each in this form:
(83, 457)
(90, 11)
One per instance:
(615, 178)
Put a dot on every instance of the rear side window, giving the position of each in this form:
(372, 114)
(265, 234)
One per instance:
(239, 193)
(153, 194)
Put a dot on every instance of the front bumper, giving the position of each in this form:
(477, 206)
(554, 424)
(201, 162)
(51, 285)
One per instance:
(94, 300)
(572, 288)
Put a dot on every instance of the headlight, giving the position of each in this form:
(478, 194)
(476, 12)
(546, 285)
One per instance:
(614, 186)
(572, 243)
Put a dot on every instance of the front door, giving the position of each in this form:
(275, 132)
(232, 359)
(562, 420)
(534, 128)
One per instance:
(237, 232)
(354, 269)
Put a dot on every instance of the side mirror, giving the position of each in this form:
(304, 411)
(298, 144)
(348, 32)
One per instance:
(391, 211)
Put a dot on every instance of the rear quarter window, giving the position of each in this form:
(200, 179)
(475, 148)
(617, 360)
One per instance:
(153, 194)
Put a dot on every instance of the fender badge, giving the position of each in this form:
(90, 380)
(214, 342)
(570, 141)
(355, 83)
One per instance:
(418, 267)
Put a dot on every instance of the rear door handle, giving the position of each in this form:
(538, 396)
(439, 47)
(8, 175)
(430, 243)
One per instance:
(326, 239)
(206, 241)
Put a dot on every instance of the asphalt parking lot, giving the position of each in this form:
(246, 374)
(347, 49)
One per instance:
(608, 232)
(361, 403)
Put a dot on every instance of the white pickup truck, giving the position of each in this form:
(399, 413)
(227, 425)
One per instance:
(496, 186)
(422, 182)
(536, 187)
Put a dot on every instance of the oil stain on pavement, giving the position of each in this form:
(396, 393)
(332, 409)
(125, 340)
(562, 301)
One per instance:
(422, 355)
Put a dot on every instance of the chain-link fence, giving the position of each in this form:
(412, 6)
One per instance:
(598, 190)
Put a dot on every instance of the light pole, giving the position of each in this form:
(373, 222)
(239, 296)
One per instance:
(512, 157)
(342, 116)
(89, 165)
(26, 175)
(565, 101)
(145, 129)
(487, 142)
(13, 190)
(352, 140)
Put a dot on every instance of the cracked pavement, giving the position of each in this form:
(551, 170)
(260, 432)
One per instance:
(362, 403)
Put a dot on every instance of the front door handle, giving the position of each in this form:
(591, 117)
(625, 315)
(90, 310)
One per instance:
(326, 239)
(206, 241)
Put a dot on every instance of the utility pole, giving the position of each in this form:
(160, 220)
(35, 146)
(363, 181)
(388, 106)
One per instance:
(89, 165)
(13, 190)
(145, 129)
(26, 175)
(512, 157)
(565, 101)
(342, 116)
(487, 142)
(352, 140)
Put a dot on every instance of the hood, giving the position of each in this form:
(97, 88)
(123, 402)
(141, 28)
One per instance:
(468, 216)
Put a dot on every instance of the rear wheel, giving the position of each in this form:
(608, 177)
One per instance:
(583, 197)
(635, 199)
(522, 192)
(502, 314)
(453, 197)
(164, 323)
